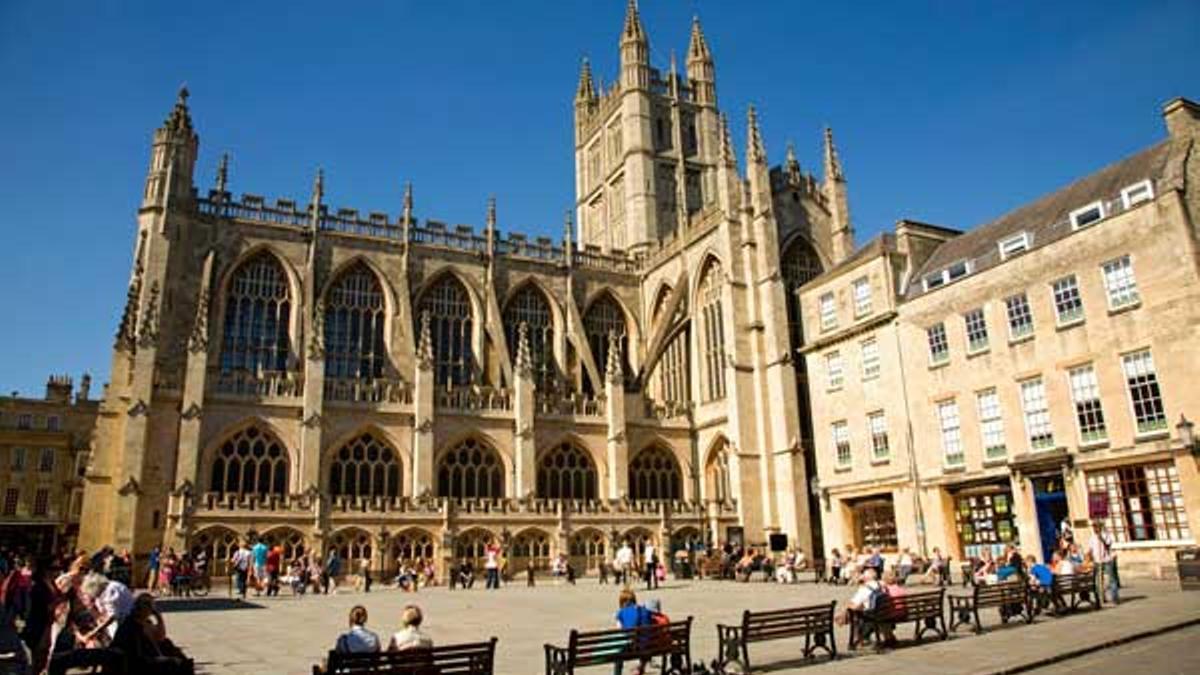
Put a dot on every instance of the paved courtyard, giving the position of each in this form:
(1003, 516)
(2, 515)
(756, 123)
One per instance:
(288, 635)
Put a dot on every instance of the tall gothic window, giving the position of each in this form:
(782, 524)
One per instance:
(449, 310)
(673, 366)
(654, 474)
(566, 472)
(800, 265)
(604, 316)
(365, 466)
(251, 462)
(354, 312)
(529, 306)
(712, 326)
(469, 470)
(258, 312)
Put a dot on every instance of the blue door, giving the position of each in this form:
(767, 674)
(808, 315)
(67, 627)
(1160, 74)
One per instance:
(1051, 502)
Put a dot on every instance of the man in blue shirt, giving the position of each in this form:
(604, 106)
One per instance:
(152, 582)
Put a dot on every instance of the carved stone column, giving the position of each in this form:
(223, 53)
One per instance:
(422, 444)
(614, 396)
(524, 450)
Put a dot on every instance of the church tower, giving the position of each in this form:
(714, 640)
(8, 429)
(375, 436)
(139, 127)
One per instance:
(646, 148)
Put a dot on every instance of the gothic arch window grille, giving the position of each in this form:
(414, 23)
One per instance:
(717, 474)
(471, 470)
(219, 545)
(450, 323)
(290, 541)
(412, 545)
(673, 366)
(529, 306)
(354, 320)
(603, 317)
(365, 466)
(258, 313)
(352, 546)
(472, 546)
(637, 541)
(712, 321)
(566, 472)
(252, 462)
(588, 549)
(654, 474)
(800, 265)
(531, 545)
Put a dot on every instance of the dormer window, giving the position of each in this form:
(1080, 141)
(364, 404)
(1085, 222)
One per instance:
(1082, 217)
(1014, 245)
(952, 273)
(1137, 193)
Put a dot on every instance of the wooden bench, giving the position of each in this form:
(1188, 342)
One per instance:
(814, 624)
(107, 661)
(924, 609)
(1070, 591)
(1007, 596)
(670, 642)
(475, 658)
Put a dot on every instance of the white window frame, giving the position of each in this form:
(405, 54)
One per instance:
(976, 346)
(877, 428)
(827, 304)
(1141, 191)
(870, 358)
(862, 296)
(937, 358)
(1120, 297)
(1014, 245)
(1084, 210)
(840, 431)
(943, 276)
(1141, 364)
(991, 424)
(1037, 419)
(1008, 315)
(1087, 404)
(950, 425)
(1060, 319)
(835, 371)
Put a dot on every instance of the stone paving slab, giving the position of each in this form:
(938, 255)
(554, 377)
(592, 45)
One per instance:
(288, 635)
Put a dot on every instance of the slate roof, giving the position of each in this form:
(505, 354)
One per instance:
(1048, 218)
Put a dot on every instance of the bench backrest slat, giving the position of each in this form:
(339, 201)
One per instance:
(475, 658)
(618, 644)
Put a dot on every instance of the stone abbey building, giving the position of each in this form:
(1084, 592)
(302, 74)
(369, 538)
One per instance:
(397, 387)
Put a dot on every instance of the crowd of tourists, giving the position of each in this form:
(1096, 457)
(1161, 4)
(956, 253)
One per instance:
(68, 607)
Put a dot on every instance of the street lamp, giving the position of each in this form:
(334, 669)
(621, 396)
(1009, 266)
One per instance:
(1187, 435)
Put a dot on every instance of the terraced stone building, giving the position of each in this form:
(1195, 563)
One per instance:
(397, 387)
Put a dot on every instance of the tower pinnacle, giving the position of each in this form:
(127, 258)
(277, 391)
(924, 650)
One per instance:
(728, 157)
(792, 165)
(755, 152)
(223, 174)
(587, 87)
(833, 165)
(633, 30)
(697, 45)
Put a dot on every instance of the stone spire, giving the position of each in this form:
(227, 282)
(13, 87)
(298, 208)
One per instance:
(223, 175)
(633, 30)
(406, 220)
(728, 156)
(673, 78)
(180, 119)
(792, 165)
(587, 87)
(568, 239)
(425, 344)
(148, 331)
(524, 365)
(318, 194)
(755, 152)
(833, 165)
(613, 371)
(698, 46)
(635, 51)
(198, 340)
(490, 227)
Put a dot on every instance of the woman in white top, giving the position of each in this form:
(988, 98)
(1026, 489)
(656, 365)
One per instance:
(410, 636)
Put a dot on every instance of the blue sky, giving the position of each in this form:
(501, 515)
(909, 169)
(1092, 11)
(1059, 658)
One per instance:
(949, 112)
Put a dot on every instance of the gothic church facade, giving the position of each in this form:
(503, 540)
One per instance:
(399, 388)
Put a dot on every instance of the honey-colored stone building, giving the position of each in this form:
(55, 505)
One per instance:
(398, 387)
(1031, 371)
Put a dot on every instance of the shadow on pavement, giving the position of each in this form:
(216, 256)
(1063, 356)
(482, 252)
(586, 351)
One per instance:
(169, 605)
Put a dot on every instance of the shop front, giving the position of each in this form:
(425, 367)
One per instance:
(874, 522)
(984, 518)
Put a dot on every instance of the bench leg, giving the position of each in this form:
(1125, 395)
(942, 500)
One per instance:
(978, 623)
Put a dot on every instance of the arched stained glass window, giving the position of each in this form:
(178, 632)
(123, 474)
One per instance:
(365, 466)
(529, 306)
(566, 472)
(800, 264)
(712, 337)
(604, 316)
(673, 365)
(654, 474)
(251, 462)
(354, 319)
(258, 312)
(469, 470)
(449, 309)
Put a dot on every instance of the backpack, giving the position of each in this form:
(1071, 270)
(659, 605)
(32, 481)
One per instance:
(875, 599)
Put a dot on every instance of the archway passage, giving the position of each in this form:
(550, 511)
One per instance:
(530, 546)
(448, 307)
(353, 546)
(654, 474)
(412, 545)
(566, 472)
(252, 461)
(290, 541)
(470, 470)
(354, 325)
(588, 548)
(218, 545)
(365, 466)
(258, 311)
(471, 546)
